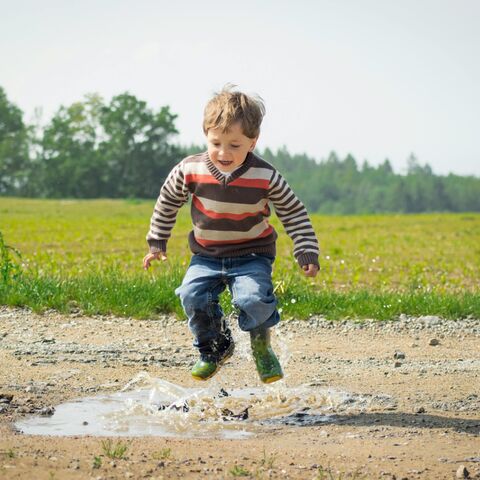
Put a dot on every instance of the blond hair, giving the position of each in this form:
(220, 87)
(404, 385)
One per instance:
(228, 107)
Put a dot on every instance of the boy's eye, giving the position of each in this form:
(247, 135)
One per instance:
(235, 146)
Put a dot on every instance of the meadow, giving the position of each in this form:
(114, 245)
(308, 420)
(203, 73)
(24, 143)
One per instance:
(86, 255)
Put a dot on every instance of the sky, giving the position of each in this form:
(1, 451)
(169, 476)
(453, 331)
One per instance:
(374, 78)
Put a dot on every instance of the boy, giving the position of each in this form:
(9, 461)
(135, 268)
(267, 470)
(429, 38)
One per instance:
(232, 242)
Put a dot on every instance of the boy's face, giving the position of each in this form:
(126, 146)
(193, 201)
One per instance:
(228, 150)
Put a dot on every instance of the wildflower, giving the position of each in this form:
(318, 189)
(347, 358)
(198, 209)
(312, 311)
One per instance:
(293, 300)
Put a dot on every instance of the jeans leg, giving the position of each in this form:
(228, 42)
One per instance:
(252, 291)
(199, 292)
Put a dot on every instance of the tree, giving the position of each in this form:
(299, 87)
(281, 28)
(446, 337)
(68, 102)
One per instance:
(14, 157)
(136, 147)
(123, 148)
(92, 149)
(70, 163)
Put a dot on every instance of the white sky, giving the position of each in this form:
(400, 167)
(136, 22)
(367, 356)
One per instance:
(374, 78)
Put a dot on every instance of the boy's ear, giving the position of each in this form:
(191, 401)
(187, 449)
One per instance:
(252, 146)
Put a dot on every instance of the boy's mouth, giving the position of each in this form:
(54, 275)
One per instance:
(225, 163)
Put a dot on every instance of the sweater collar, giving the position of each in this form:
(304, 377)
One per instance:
(221, 177)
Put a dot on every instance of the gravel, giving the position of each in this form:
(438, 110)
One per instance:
(29, 336)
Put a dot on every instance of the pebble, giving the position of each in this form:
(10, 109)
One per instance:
(24, 410)
(462, 472)
(434, 342)
(5, 398)
(430, 320)
(398, 355)
(47, 411)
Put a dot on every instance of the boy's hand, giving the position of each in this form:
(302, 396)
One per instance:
(153, 256)
(310, 270)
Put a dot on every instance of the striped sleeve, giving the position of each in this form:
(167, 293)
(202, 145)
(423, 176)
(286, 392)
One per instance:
(173, 194)
(293, 215)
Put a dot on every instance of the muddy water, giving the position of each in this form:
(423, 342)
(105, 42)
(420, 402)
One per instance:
(216, 409)
(152, 406)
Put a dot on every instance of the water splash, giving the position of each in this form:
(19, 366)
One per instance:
(152, 406)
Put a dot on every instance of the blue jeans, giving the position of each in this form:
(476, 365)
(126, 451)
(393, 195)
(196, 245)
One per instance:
(249, 279)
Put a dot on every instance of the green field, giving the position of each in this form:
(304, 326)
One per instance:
(87, 255)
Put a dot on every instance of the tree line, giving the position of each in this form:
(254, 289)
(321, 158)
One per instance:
(341, 186)
(125, 149)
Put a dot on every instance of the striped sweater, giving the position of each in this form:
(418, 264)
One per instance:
(230, 212)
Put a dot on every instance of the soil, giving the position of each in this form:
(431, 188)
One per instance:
(427, 368)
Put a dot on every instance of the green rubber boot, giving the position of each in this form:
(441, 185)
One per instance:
(205, 368)
(268, 366)
(209, 363)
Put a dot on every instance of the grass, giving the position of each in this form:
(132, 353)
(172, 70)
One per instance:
(163, 454)
(140, 297)
(268, 461)
(86, 255)
(266, 464)
(114, 450)
(239, 471)
(10, 258)
(329, 475)
(10, 453)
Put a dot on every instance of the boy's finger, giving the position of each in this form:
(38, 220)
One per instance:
(146, 261)
(310, 270)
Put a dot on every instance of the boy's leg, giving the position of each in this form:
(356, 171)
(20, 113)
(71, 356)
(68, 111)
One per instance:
(199, 292)
(252, 292)
(250, 282)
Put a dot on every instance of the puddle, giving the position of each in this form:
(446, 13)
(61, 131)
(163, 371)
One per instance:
(152, 406)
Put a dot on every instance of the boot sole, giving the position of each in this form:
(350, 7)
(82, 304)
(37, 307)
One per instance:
(275, 378)
(219, 364)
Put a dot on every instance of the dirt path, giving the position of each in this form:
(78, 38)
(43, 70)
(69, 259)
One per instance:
(423, 421)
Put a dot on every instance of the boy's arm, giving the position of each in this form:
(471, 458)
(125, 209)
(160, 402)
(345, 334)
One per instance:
(173, 194)
(294, 217)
